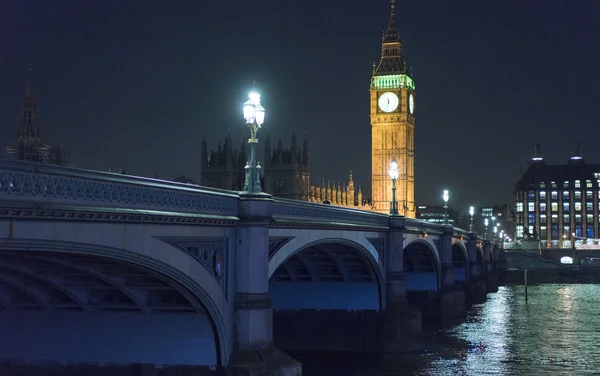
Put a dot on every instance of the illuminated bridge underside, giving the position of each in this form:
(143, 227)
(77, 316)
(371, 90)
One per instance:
(65, 307)
(420, 268)
(326, 276)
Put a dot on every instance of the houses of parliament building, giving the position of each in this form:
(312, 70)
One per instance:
(28, 144)
(286, 171)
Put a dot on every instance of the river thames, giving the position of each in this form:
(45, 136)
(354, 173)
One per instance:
(556, 333)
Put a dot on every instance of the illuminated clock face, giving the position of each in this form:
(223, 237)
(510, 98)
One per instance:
(411, 104)
(388, 102)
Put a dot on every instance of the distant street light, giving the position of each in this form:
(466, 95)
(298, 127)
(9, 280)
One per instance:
(472, 212)
(446, 197)
(254, 114)
(393, 172)
(486, 222)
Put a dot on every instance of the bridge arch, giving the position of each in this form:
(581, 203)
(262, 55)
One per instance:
(155, 284)
(326, 273)
(460, 261)
(422, 266)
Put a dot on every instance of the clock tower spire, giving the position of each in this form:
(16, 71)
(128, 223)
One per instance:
(392, 124)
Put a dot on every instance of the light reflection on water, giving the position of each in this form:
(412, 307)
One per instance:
(557, 333)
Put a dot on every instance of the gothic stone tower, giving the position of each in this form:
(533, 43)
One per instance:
(392, 124)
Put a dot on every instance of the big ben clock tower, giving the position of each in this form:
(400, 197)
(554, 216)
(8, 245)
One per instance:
(392, 125)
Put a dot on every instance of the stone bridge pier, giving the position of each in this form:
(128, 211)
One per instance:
(253, 350)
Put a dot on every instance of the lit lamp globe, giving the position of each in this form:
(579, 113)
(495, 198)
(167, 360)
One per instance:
(393, 171)
(249, 111)
(259, 114)
(446, 196)
(472, 211)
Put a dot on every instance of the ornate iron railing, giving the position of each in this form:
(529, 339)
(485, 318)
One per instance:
(309, 213)
(56, 185)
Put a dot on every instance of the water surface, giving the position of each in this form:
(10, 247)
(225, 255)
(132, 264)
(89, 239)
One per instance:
(556, 333)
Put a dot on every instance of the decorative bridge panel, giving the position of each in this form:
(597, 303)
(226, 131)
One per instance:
(293, 213)
(210, 252)
(53, 184)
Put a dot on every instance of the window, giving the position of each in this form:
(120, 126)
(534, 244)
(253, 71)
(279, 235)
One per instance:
(543, 218)
(555, 206)
(519, 206)
(543, 232)
(542, 185)
(590, 231)
(589, 195)
(531, 195)
(578, 231)
(531, 206)
(578, 206)
(589, 207)
(554, 195)
(566, 184)
(565, 206)
(566, 219)
(531, 219)
(554, 232)
(588, 183)
(543, 195)
(589, 218)
(577, 195)
(553, 184)
(577, 184)
(566, 195)
(578, 220)
(554, 219)
(566, 229)
(519, 232)
(543, 207)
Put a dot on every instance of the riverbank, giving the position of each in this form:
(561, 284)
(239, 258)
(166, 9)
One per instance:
(543, 276)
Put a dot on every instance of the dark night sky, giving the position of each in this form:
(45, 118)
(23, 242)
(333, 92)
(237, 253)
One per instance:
(135, 84)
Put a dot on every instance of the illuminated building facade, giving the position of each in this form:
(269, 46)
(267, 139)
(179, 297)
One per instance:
(392, 98)
(28, 144)
(553, 202)
(435, 214)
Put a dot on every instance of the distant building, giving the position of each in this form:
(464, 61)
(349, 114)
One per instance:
(28, 144)
(553, 202)
(285, 173)
(435, 214)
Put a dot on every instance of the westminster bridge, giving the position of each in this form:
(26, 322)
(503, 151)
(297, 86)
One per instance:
(108, 268)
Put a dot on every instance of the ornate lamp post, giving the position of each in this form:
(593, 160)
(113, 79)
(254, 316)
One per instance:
(486, 222)
(393, 173)
(446, 197)
(472, 212)
(254, 114)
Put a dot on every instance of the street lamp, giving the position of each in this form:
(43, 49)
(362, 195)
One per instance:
(393, 172)
(472, 212)
(446, 197)
(254, 114)
(486, 222)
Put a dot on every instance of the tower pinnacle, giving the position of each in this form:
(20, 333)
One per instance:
(392, 59)
(391, 34)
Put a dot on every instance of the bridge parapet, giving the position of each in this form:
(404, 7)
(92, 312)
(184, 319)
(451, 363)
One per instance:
(294, 213)
(41, 184)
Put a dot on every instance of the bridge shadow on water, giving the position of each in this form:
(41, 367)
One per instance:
(437, 343)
